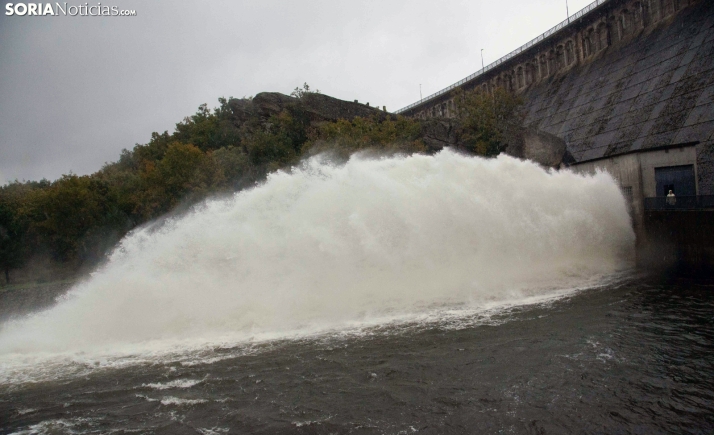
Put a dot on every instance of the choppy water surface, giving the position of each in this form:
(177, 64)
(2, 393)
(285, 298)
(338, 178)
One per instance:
(632, 357)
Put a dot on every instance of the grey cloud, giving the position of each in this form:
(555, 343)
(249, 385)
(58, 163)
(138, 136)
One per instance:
(74, 91)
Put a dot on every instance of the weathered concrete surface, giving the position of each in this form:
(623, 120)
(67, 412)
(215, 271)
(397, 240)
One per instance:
(628, 75)
(635, 173)
(681, 239)
(656, 90)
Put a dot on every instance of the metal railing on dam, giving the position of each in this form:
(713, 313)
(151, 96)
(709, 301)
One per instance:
(510, 55)
(680, 203)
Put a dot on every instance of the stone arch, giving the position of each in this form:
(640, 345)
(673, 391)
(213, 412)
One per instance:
(543, 66)
(530, 73)
(508, 82)
(637, 16)
(589, 42)
(624, 23)
(551, 62)
(559, 57)
(655, 7)
(646, 13)
(520, 80)
(603, 36)
(569, 52)
(667, 8)
(614, 31)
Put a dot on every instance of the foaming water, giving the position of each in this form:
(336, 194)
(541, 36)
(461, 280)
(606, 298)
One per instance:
(328, 246)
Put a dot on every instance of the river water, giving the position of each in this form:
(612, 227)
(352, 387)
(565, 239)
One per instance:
(440, 294)
(634, 356)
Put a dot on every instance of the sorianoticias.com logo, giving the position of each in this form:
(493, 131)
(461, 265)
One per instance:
(64, 9)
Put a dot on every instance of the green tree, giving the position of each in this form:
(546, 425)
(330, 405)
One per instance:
(488, 121)
(65, 214)
(14, 248)
(269, 149)
(390, 135)
(233, 166)
(165, 182)
(208, 130)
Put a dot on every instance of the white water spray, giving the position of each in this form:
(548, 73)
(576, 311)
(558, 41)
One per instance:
(330, 245)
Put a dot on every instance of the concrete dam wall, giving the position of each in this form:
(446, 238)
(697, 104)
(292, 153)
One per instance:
(655, 90)
(626, 76)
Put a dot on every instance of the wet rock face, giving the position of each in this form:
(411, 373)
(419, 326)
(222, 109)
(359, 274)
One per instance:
(242, 109)
(539, 146)
(270, 103)
(441, 132)
(544, 148)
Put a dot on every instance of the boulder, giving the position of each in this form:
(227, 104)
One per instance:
(439, 133)
(242, 109)
(266, 104)
(539, 146)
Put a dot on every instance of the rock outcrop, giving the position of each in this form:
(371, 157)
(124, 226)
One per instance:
(541, 147)
(439, 133)
(318, 107)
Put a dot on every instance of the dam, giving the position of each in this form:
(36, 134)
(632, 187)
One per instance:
(628, 85)
(425, 293)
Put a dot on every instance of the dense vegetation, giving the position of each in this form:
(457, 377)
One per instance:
(73, 221)
(488, 122)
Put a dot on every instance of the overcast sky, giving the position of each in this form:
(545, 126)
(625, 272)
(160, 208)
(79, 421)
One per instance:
(75, 91)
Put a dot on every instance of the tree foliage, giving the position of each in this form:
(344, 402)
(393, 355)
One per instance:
(346, 137)
(488, 121)
(300, 92)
